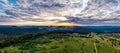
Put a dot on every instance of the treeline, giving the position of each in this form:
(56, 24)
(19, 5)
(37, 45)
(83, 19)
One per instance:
(115, 35)
(5, 42)
(18, 31)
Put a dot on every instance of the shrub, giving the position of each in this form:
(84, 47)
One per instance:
(54, 47)
(61, 42)
(21, 52)
(5, 51)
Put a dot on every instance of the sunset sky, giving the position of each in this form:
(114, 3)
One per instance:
(60, 12)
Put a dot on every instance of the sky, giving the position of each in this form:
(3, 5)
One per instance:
(60, 12)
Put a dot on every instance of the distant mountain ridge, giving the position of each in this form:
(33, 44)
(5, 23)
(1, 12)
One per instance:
(21, 30)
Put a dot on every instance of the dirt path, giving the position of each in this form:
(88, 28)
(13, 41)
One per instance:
(96, 51)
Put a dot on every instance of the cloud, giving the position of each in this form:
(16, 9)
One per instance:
(87, 12)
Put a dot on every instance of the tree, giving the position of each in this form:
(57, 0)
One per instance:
(5, 51)
(0, 52)
(21, 52)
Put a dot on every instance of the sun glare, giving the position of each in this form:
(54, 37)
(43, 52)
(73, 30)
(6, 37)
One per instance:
(68, 24)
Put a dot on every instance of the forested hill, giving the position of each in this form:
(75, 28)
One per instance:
(22, 30)
(62, 43)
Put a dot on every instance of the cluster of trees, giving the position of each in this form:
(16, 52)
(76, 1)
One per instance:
(115, 35)
(5, 42)
(114, 42)
(9, 52)
(114, 38)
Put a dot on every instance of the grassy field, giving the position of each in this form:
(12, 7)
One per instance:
(65, 43)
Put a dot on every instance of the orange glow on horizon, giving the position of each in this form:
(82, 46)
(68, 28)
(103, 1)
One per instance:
(68, 24)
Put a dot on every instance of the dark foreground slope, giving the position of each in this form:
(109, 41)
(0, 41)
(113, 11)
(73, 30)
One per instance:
(62, 43)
